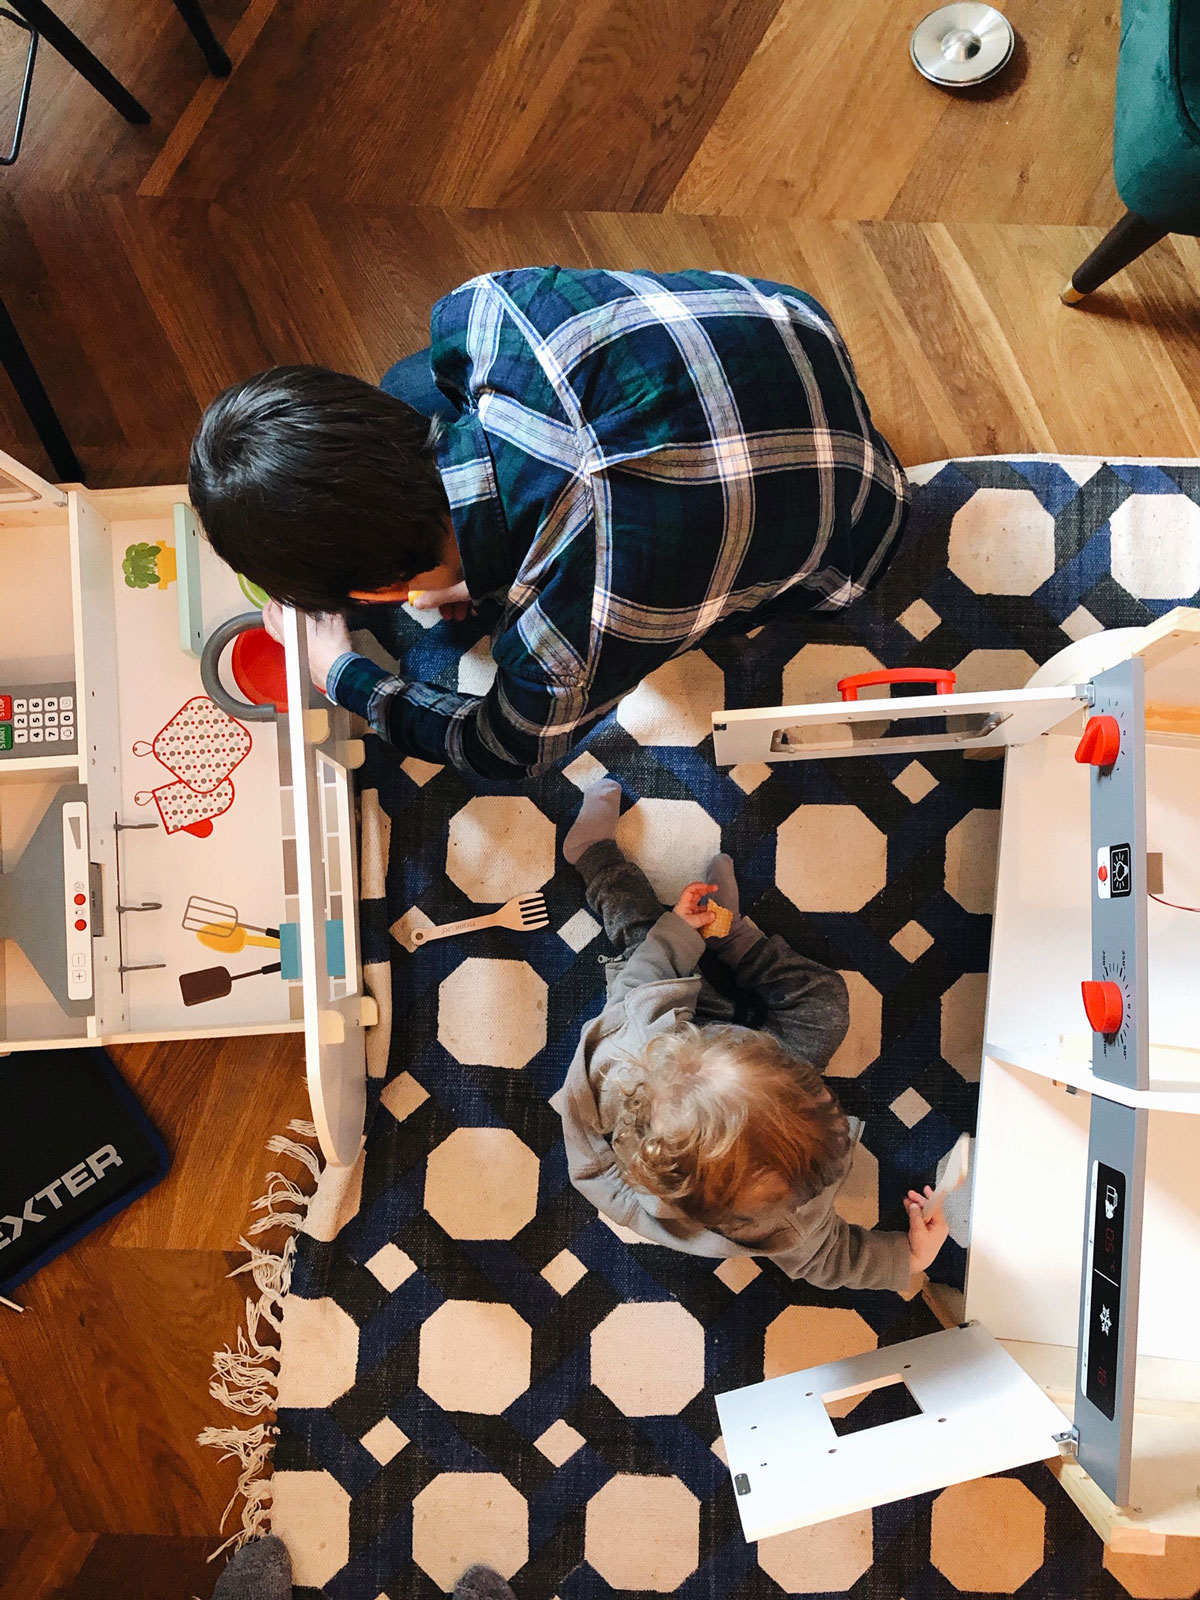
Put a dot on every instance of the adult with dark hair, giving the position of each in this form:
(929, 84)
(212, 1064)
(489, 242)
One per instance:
(612, 465)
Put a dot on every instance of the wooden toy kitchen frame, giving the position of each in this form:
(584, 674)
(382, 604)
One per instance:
(147, 836)
(1080, 1342)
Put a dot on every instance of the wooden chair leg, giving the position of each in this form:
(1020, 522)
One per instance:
(1123, 243)
(59, 37)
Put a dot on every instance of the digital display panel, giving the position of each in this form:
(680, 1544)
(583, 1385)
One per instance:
(1104, 1302)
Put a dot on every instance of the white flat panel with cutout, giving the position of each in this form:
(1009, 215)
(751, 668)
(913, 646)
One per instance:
(979, 1413)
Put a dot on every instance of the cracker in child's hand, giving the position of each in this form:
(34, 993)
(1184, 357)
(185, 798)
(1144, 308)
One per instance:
(721, 923)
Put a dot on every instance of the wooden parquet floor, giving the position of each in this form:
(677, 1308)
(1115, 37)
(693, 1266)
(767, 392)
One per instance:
(363, 159)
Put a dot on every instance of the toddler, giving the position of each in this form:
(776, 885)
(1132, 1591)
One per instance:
(697, 1133)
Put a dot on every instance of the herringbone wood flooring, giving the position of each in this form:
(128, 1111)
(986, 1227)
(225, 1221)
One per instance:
(363, 159)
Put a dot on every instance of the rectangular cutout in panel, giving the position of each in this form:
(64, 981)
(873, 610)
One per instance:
(952, 729)
(873, 1405)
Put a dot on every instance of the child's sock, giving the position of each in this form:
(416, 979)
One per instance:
(261, 1570)
(720, 871)
(743, 935)
(597, 819)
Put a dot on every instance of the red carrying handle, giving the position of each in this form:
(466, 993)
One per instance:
(848, 687)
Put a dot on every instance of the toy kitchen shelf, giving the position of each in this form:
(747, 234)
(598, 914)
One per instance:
(1081, 1344)
(167, 870)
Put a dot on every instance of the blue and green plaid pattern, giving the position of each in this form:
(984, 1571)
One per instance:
(641, 459)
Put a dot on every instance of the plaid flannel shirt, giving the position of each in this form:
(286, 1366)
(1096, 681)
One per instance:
(639, 458)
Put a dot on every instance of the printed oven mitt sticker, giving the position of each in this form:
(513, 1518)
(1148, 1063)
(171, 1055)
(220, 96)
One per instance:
(183, 810)
(201, 745)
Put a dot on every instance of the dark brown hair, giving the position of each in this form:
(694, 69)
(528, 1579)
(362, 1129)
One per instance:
(313, 484)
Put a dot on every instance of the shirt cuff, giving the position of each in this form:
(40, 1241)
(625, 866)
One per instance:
(685, 943)
(352, 681)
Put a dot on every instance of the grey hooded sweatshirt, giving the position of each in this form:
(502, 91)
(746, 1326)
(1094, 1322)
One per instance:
(654, 990)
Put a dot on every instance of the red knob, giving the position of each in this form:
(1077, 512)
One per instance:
(1103, 1003)
(80, 924)
(1101, 742)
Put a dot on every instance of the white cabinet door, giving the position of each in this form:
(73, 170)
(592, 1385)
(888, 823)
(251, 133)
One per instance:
(979, 1413)
(891, 727)
(943, 721)
(21, 486)
(335, 1013)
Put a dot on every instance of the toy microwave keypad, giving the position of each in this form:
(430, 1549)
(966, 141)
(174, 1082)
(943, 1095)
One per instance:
(37, 719)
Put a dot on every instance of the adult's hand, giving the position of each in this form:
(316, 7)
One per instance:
(328, 638)
(454, 603)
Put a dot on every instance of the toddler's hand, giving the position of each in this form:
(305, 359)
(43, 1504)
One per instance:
(926, 1235)
(689, 907)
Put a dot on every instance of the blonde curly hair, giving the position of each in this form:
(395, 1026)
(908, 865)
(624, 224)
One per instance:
(718, 1119)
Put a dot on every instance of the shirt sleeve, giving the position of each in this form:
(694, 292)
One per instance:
(520, 727)
(449, 356)
(670, 951)
(845, 1256)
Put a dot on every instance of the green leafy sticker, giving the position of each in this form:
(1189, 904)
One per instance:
(140, 566)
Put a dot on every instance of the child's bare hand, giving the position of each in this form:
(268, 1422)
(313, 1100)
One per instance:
(926, 1235)
(689, 907)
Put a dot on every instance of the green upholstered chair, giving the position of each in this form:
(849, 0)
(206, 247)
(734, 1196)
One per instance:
(1156, 136)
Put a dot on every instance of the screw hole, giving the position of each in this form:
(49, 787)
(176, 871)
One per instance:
(808, 1394)
(907, 1365)
(833, 1452)
(941, 1419)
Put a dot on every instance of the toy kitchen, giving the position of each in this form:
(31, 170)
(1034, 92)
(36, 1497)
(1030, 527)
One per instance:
(177, 839)
(1077, 1341)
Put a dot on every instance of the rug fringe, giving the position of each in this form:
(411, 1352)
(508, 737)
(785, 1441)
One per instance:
(245, 1378)
(279, 1144)
(251, 1448)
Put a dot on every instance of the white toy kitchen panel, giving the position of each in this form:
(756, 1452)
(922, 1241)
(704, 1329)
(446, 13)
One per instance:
(161, 876)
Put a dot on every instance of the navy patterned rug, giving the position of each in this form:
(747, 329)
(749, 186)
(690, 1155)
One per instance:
(477, 1367)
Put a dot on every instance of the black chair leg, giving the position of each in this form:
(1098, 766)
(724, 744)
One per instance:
(22, 374)
(72, 49)
(192, 13)
(1123, 243)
